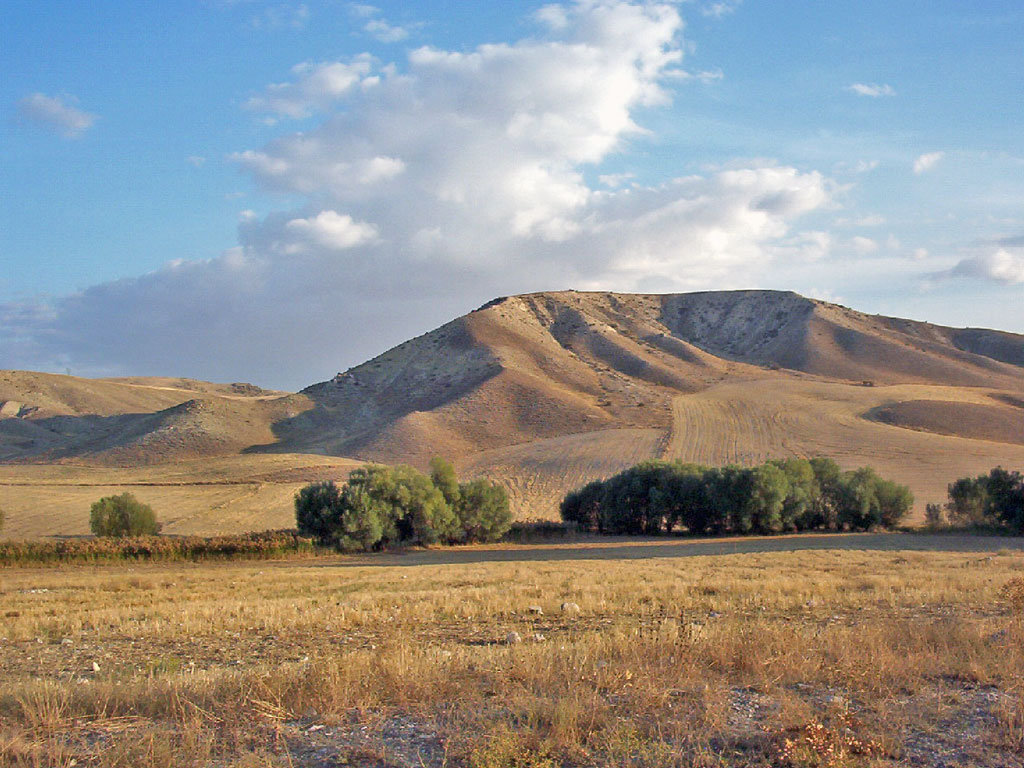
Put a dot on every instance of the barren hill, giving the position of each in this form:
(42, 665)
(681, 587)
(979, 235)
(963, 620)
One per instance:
(545, 391)
(46, 417)
(544, 365)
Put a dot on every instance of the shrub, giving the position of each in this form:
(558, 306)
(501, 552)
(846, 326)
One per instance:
(934, 515)
(995, 499)
(261, 544)
(121, 516)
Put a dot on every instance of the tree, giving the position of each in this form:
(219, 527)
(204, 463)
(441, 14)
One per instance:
(993, 499)
(122, 515)
(798, 510)
(442, 474)
(1006, 493)
(483, 511)
(824, 511)
(969, 501)
(583, 507)
(768, 491)
(318, 510)
(894, 501)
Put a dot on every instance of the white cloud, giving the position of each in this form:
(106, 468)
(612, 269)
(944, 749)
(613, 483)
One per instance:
(863, 245)
(614, 179)
(363, 11)
(456, 178)
(196, 161)
(330, 231)
(1000, 266)
(283, 16)
(927, 161)
(873, 90)
(720, 9)
(386, 33)
(55, 113)
(315, 87)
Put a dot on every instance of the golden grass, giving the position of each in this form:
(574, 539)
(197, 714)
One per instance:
(205, 497)
(697, 661)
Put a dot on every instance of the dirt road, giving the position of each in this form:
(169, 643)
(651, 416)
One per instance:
(639, 549)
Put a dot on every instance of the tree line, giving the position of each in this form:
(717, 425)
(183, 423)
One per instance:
(782, 495)
(995, 500)
(383, 506)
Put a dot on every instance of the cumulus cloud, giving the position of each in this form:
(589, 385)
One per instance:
(56, 113)
(330, 231)
(927, 161)
(873, 90)
(1000, 266)
(315, 87)
(438, 184)
(385, 32)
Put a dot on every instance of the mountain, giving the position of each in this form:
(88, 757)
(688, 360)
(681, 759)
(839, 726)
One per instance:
(545, 391)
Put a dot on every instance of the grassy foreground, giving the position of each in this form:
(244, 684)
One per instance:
(823, 658)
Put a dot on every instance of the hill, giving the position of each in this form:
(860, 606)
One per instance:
(545, 391)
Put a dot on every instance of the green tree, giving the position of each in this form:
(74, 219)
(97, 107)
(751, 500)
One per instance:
(122, 515)
(824, 511)
(895, 502)
(798, 511)
(442, 474)
(583, 507)
(483, 511)
(1006, 493)
(769, 488)
(969, 501)
(318, 510)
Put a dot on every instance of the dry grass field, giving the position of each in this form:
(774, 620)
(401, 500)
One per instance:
(838, 657)
(205, 497)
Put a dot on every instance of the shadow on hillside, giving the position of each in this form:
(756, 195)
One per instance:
(642, 549)
(348, 414)
(60, 437)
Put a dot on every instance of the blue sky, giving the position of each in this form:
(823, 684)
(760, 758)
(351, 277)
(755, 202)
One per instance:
(243, 190)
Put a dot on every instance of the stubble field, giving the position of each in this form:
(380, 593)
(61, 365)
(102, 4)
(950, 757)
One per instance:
(836, 657)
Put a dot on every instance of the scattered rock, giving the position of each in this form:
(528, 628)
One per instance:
(95, 667)
(536, 610)
(714, 615)
(996, 637)
(570, 608)
(539, 637)
(513, 637)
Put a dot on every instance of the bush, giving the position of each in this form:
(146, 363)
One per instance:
(263, 544)
(121, 516)
(992, 500)
(384, 506)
